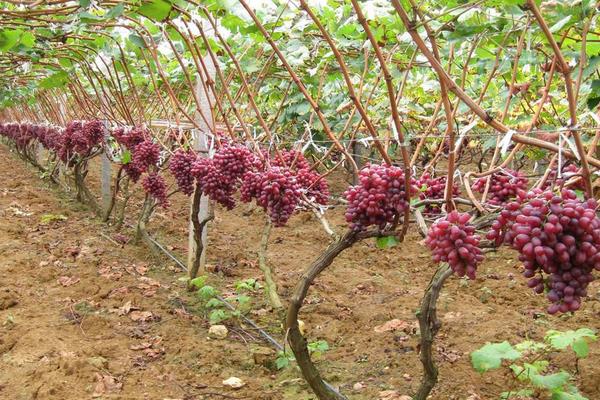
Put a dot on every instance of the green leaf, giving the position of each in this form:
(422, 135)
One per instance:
(55, 80)
(552, 381)
(217, 316)
(85, 3)
(126, 159)
(581, 348)
(198, 281)
(560, 24)
(213, 303)
(87, 17)
(491, 355)
(157, 10)
(385, 242)
(136, 41)
(9, 38)
(530, 345)
(282, 362)
(207, 292)
(572, 394)
(576, 339)
(115, 12)
(28, 39)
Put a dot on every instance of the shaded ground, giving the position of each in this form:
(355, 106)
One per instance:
(82, 316)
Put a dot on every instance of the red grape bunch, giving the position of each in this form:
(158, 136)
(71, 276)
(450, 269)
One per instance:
(129, 138)
(452, 239)
(210, 182)
(180, 166)
(145, 154)
(378, 199)
(219, 177)
(434, 188)
(276, 190)
(558, 240)
(291, 159)
(155, 186)
(568, 171)
(504, 186)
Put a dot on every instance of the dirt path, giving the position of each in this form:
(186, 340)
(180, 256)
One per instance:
(81, 317)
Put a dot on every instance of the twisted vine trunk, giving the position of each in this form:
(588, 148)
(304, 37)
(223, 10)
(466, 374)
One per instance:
(298, 342)
(429, 326)
(198, 227)
(270, 284)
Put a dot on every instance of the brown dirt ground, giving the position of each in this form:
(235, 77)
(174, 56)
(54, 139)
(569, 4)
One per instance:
(66, 330)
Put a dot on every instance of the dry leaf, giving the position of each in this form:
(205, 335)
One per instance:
(393, 325)
(106, 384)
(141, 316)
(120, 291)
(393, 395)
(68, 280)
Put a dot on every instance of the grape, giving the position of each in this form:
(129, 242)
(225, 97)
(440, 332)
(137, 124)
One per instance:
(155, 186)
(132, 171)
(219, 177)
(180, 166)
(434, 188)
(313, 186)
(452, 240)
(291, 159)
(275, 189)
(504, 186)
(568, 171)
(130, 138)
(145, 154)
(378, 199)
(558, 239)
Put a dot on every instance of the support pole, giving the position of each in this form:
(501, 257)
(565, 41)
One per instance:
(201, 140)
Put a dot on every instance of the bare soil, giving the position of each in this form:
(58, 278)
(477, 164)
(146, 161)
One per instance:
(84, 316)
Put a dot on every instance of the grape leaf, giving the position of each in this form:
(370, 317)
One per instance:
(157, 10)
(386, 242)
(491, 355)
(576, 339)
(552, 381)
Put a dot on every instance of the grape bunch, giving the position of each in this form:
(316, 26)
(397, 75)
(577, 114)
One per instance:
(379, 198)
(275, 189)
(219, 177)
(233, 161)
(452, 239)
(291, 159)
(211, 184)
(145, 154)
(155, 186)
(313, 185)
(434, 188)
(129, 138)
(88, 135)
(504, 186)
(568, 171)
(180, 166)
(558, 240)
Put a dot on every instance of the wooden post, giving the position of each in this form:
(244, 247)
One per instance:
(201, 145)
(106, 177)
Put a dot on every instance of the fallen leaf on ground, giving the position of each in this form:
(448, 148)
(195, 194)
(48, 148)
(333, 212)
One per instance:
(110, 272)
(142, 316)
(105, 384)
(120, 291)
(393, 395)
(68, 280)
(393, 325)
